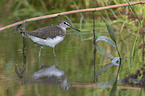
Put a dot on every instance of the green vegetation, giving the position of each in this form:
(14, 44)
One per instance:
(75, 54)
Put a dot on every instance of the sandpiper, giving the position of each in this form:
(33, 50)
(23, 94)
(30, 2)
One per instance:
(50, 35)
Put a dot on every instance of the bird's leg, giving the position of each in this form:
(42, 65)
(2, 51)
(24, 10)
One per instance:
(54, 56)
(39, 56)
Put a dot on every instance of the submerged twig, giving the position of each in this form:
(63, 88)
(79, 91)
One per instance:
(21, 72)
(24, 45)
(94, 42)
(71, 12)
(17, 28)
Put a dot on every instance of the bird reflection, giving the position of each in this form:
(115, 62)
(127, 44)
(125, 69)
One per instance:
(50, 75)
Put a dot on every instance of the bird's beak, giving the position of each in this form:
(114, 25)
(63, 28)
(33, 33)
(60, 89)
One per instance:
(74, 28)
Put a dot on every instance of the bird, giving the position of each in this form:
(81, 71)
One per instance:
(50, 75)
(49, 35)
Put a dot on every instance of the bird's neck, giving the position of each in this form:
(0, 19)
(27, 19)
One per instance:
(62, 28)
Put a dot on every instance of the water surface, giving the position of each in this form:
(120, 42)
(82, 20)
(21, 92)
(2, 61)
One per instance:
(74, 59)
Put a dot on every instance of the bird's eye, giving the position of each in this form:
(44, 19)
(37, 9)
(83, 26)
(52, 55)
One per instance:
(64, 22)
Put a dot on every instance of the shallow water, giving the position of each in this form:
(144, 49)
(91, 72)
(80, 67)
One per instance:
(74, 71)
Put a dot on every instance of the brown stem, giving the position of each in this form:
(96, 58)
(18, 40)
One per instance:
(71, 12)
(94, 42)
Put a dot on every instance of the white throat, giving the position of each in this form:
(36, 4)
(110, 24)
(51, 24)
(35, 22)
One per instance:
(62, 27)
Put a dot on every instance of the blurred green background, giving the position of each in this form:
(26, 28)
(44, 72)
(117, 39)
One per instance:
(74, 55)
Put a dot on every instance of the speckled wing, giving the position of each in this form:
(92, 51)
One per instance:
(45, 32)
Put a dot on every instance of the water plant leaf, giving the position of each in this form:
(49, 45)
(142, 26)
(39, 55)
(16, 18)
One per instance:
(114, 61)
(106, 39)
(113, 37)
(110, 31)
(103, 52)
(114, 88)
(100, 50)
(104, 84)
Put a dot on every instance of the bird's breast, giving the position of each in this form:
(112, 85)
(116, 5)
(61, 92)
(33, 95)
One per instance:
(48, 41)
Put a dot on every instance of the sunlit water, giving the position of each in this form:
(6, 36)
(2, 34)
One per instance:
(72, 75)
